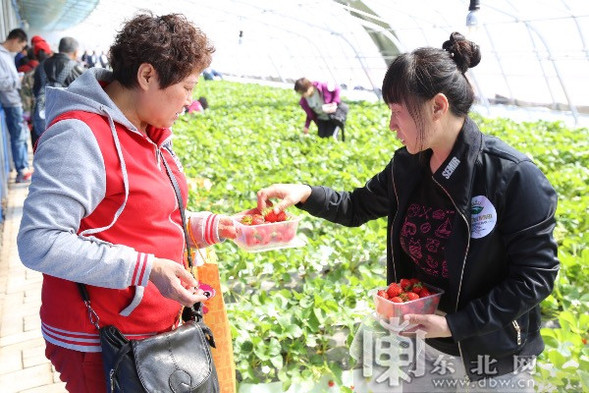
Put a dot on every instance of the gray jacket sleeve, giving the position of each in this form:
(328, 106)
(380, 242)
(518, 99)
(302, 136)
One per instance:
(69, 181)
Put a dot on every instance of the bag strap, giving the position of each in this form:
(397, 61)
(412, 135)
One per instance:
(180, 206)
(189, 313)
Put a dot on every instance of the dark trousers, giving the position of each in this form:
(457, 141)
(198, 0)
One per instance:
(326, 128)
(336, 119)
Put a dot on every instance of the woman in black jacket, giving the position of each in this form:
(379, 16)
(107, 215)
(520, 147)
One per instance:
(466, 213)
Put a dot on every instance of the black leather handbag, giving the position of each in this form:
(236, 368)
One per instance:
(339, 116)
(178, 361)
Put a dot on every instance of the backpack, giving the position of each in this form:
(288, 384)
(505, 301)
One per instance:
(26, 91)
(45, 81)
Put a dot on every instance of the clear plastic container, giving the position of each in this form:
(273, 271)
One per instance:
(423, 305)
(267, 236)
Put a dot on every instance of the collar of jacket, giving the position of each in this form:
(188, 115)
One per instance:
(456, 174)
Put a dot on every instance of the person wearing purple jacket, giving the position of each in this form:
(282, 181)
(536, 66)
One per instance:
(322, 104)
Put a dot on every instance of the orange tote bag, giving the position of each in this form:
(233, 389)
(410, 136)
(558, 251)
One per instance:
(206, 271)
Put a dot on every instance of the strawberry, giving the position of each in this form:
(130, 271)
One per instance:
(417, 288)
(265, 234)
(277, 236)
(424, 292)
(411, 296)
(288, 232)
(405, 284)
(394, 290)
(397, 299)
(246, 220)
(382, 293)
(271, 216)
(257, 219)
(253, 238)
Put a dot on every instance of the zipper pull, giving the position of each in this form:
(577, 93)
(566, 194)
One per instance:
(111, 375)
(518, 331)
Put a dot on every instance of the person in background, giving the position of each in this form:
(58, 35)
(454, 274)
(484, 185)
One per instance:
(27, 66)
(10, 84)
(41, 48)
(466, 213)
(102, 208)
(27, 63)
(59, 70)
(19, 56)
(198, 106)
(92, 59)
(322, 105)
(210, 74)
(103, 60)
(84, 58)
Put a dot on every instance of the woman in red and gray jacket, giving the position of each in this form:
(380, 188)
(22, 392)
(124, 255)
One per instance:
(102, 209)
(322, 104)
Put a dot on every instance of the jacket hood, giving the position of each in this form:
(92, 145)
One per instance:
(87, 94)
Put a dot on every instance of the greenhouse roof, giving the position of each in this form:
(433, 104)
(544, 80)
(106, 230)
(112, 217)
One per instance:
(535, 52)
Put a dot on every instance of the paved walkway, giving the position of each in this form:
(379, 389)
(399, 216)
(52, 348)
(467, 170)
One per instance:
(23, 366)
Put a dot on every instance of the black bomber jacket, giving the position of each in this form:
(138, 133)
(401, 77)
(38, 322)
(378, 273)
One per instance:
(501, 255)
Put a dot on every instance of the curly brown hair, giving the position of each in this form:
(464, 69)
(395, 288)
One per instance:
(172, 44)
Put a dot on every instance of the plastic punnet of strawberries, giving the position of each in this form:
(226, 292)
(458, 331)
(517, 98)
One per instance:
(405, 290)
(256, 230)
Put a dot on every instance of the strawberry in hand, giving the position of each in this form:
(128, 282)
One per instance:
(271, 216)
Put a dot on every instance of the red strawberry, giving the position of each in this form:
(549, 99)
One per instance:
(411, 296)
(265, 235)
(277, 236)
(405, 284)
(397, 299)
(257, 219)
(417, 288)
(288, 232)
(271, 216)
(382, 293)
(424, 292)
(253, 238)
(394, 289)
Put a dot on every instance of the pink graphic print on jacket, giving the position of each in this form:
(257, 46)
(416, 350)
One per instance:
(424, 235)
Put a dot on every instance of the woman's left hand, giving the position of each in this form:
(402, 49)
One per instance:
(433, 325)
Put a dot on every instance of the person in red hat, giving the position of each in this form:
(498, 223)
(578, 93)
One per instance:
(41, 48)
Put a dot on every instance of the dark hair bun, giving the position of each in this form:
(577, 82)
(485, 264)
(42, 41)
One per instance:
(466, 54)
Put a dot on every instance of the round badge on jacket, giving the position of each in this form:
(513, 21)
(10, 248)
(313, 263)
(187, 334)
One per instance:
(483, 216)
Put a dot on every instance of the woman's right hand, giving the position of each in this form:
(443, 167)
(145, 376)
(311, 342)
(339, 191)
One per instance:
(175, 282)
(290, 194)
